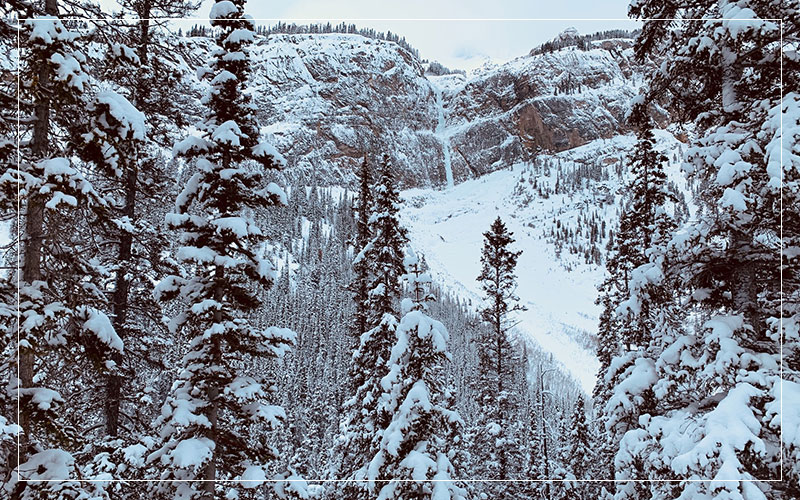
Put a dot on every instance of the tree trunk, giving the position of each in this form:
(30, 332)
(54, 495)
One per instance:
(120, 303)
(213, 391)
(31, 271)
(745, 288)
(144, 29)
(213, 417)
(34, 226)
(121, 295)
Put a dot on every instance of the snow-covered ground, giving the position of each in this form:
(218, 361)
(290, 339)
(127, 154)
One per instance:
(447, 226)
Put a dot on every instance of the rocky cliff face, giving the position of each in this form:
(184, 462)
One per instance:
(330, 98)
(551, 102)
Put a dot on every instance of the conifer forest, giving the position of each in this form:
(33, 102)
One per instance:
(248, 259)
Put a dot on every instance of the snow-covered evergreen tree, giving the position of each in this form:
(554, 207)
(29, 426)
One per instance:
(714, 371)
(386, 250)
(644, 227)
(497, 436)
(115, 134)
(62, 322)
(609, 343)
(580, 454)
(416, 448)
(361, 268)
(209, 424)
(625, 328)
(136, 179)
(359, 287)
(384, 255)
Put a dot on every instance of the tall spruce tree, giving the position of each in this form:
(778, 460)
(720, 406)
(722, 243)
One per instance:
(361, 268)
(209, 423)
(60, 312)
(498, 355)
(386, 250)
(384, 255)
(137, 177)
(115, 134)
(644, 227)
(498, 281)
(624, 331)
(359, 287)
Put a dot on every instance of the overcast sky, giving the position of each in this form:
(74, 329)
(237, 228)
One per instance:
(455, 42)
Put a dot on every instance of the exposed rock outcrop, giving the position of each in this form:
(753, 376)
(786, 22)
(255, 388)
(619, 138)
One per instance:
(329, 98)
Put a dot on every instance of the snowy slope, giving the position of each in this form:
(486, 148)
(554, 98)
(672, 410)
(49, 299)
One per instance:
(447, 226)
(558, 288)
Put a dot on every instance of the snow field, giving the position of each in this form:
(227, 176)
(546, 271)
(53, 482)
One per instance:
(559, 291)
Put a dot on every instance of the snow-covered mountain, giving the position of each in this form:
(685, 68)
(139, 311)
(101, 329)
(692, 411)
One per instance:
(505, 114)
(539, 140)
(328, 98)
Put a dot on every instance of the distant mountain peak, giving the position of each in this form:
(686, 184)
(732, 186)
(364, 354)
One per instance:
(568, 34)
